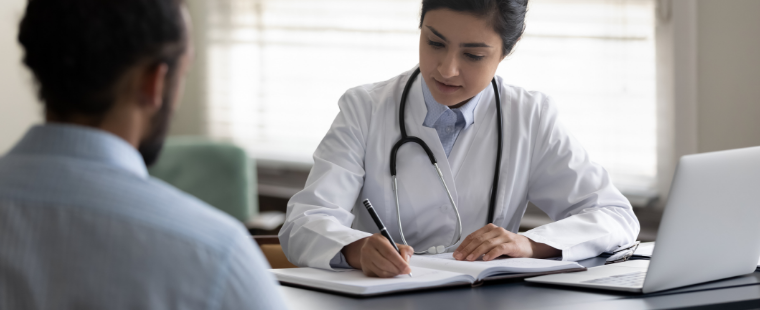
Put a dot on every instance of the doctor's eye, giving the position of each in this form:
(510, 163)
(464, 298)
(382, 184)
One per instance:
(435, 44)
(473, 57)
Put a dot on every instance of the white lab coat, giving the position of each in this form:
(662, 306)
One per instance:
(541, 163)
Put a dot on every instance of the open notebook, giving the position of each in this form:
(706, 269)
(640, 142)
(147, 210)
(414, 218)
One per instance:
(429, 271)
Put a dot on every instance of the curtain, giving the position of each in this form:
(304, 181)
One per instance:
(276, 69)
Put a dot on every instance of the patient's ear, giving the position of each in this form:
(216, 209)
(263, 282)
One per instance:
(151, 86)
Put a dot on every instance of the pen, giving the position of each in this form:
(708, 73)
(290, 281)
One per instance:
(380, 225)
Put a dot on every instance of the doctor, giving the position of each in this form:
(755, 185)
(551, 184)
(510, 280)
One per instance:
(451, 106)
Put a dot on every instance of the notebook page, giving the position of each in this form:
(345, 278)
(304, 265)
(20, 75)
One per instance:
(355, 282)
(481, 269)
(644, 249)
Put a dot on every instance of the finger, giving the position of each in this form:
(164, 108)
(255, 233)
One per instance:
(458, 253)
(382, 273)
(368, 272)
(406, 252)
(386, 250)
(484, 248)
(382, 263)
(499, 250)
(467, 252)
(367, 268)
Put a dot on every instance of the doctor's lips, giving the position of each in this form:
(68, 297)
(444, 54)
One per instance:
(446, 88)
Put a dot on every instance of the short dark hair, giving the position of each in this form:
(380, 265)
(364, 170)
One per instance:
(506, 16)
(79, 49)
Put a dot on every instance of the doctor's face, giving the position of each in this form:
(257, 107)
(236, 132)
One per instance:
(459, 54)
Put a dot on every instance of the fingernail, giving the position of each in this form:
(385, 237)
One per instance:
(470, 257)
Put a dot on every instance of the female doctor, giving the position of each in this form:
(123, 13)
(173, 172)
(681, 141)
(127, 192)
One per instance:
(473, 201)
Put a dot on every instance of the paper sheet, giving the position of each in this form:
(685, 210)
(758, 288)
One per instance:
(644, 249)
(355, 282)
(479, 269)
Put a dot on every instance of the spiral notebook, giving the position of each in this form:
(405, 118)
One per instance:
(430, 271)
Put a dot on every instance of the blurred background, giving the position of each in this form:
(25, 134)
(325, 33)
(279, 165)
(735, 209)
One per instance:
(639, 82)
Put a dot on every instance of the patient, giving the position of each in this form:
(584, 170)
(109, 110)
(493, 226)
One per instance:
(82, 225)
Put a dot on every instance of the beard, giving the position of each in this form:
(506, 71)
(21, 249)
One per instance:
(150, 147)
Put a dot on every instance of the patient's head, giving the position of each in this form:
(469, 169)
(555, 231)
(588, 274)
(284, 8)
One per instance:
(117, 65)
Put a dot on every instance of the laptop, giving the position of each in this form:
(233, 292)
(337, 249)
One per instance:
(709, 229)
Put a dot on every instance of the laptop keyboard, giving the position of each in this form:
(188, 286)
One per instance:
(635, 279)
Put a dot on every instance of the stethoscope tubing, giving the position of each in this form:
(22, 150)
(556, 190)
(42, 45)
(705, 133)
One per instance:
(499, 146)
(406, 139)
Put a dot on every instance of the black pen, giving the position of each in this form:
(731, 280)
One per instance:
(380, 225)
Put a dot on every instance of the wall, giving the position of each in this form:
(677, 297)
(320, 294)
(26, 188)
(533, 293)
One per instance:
(728, 74)
(18, 106)
(708, 78)
(189, 118)
(726, 99)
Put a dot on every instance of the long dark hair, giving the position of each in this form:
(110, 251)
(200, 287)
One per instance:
(506, 16)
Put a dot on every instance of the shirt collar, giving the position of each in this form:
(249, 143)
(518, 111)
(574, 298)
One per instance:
(435, 109)
(81, 142)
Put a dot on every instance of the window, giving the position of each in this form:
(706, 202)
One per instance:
(276, 69)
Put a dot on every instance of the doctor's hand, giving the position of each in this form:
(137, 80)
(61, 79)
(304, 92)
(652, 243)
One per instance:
(492, 241)
(376, 257)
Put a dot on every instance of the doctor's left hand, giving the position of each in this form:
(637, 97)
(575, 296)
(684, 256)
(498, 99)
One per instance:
(493, 241)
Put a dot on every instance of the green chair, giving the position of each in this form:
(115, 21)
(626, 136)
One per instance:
(221, 174)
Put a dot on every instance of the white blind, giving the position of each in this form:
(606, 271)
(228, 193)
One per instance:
(278, 67)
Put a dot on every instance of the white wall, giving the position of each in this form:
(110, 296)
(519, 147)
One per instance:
(18, 105)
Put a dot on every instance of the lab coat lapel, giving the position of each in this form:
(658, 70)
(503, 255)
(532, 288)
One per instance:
(472, 161)
(417, 111)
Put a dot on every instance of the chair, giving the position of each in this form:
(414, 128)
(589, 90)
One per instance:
(221, 174)
(270, 246)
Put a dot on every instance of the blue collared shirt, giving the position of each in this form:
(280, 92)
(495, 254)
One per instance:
(448, 123)
(82, 225)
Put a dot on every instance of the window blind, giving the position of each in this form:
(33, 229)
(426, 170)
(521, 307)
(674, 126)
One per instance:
(276, 69)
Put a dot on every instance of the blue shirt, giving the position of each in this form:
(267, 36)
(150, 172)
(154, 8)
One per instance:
(448, 123)
(83, 226)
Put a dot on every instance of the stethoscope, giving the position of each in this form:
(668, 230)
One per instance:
(406, 138)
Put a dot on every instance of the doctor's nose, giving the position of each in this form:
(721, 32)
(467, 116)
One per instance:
(449, 67)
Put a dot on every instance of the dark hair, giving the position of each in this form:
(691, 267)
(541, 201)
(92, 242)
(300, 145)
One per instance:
(78, 50)
(506, 16)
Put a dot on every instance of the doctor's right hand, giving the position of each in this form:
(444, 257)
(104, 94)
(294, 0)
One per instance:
(376, 257)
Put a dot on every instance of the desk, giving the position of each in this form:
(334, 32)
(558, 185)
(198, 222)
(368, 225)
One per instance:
(744, 293)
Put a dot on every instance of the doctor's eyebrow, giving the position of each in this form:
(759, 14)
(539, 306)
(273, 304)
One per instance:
(438, 34)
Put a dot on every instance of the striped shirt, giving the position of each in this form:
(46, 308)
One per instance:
(83, 226)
